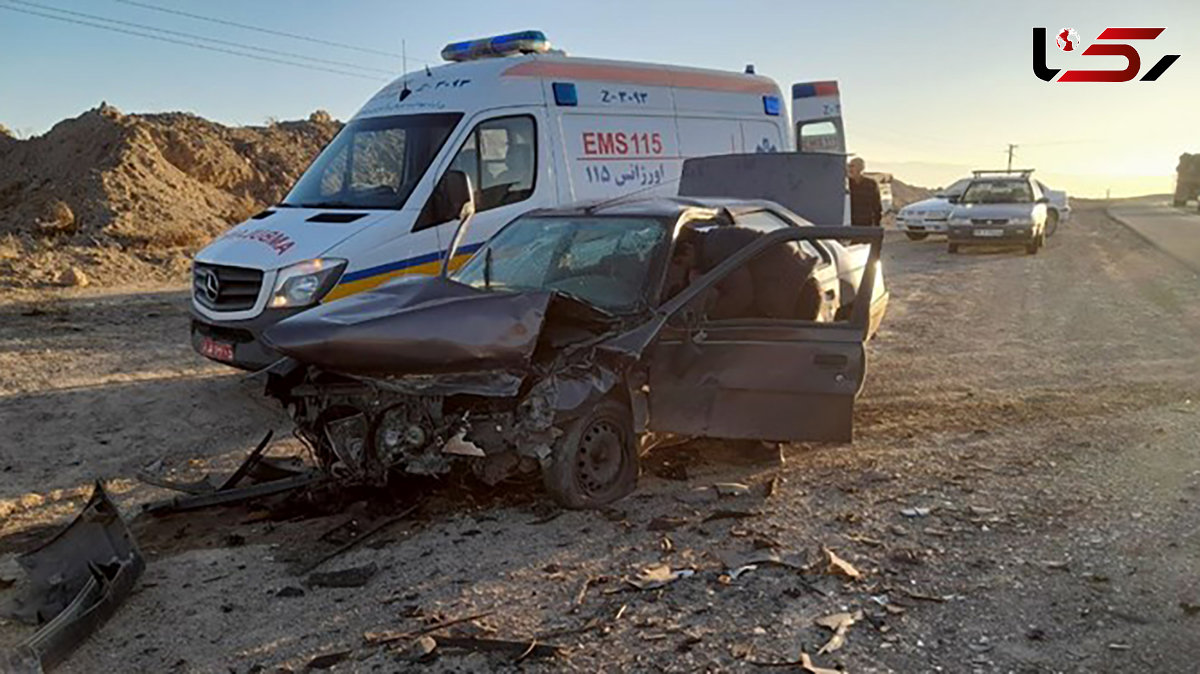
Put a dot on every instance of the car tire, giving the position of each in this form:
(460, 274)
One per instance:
(1051, 224)
(916, 236)
(952, 248)
(595, 462)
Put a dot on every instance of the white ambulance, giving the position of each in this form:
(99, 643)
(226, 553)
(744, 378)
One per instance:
(531, 128)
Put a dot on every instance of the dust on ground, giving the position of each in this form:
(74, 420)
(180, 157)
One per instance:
(1020, 497)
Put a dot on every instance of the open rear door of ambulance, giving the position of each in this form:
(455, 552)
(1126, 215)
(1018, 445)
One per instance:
(817, 114)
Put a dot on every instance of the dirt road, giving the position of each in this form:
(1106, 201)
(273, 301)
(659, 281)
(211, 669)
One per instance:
(1021, 497)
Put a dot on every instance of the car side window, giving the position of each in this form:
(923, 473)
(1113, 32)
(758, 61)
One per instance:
(500, 158)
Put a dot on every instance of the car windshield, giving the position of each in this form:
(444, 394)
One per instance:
(998, 192)
(955, 189)
(373, 163)
(604, 261)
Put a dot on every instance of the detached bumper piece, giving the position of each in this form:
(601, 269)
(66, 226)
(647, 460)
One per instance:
(77, 581)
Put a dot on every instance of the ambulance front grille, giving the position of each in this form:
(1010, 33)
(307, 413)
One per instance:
(223, 288)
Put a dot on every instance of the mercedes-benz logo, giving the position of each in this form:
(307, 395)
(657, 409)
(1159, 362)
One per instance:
(211, 285)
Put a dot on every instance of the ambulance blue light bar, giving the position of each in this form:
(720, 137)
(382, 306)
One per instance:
(810, 89)
(524, 42)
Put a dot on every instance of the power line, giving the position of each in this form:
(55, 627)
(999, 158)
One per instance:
(269, 31)
(203, 38)
(197, 45)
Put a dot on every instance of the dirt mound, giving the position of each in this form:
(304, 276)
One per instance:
(904, 194)
(129, 197)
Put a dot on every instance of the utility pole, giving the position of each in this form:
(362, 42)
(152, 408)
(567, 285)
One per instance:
(1011, 147)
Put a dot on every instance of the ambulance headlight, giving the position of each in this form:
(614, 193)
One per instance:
(305, 283)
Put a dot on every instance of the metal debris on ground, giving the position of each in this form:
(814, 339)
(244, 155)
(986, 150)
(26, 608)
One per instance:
(328, 660)
(77, 580)
(916, 512)
(658, 575)
(268, 477)
(390, 636)
(354, 576)
(839, 624)
(521, 650)
(839, 567)
(665, 523)
(348, 545)
(731, 489)
(729, 515)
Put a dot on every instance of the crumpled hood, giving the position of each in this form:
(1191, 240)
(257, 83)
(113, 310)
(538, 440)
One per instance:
(284, 237)
(994, 211)
(416, 325)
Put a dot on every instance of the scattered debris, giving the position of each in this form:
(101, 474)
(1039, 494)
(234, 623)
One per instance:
(915, 512)
(423, 649)
(289, 591)
(328, 660)
(1189, 608)
(354, 576)
(770, 486)
(807, 665)
(355, 541)
(658, 575)
(839, 624)
(522, 650)
(270, 477)
(665, 523)
(731, 489)
(840, 567)
(920, 596)
(1120, 647)
(730, 515)
(873, 542)
(1057, 566)
(387, 637)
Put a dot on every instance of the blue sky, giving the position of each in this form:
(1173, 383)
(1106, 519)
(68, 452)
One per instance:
(929, 89)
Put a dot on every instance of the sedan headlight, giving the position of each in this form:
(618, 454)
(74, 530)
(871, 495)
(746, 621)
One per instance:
(305, 283)
(959, 221)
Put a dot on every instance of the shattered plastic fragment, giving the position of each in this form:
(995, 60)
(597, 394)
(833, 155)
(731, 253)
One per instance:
(658, 575)
(840, 567)
(839, 623)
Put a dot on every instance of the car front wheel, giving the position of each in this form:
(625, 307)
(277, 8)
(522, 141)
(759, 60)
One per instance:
(916, 236)
(595, 462)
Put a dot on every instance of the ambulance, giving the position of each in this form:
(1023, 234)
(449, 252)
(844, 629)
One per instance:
(529, 126)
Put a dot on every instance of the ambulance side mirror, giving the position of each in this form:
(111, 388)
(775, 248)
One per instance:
(453, 197)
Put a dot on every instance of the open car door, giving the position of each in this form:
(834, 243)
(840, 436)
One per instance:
(766, 379)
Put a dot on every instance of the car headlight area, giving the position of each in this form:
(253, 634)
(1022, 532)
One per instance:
(306, 282)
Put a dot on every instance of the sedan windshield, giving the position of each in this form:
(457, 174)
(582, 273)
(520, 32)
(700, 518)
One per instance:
(604, 261)
(998, 192)
(373, 163)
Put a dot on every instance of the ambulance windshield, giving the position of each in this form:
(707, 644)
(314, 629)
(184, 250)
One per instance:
(373, 163)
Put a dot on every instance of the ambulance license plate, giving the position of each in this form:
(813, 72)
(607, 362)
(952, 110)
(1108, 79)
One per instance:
(989, 232)
(221, 351)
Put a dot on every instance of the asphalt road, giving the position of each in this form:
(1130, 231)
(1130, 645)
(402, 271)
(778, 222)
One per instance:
(1174, 230)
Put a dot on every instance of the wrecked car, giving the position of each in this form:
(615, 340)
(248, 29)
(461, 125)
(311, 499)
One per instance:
(573, 331)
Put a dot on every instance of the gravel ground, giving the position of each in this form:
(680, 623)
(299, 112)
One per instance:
(1020, 497)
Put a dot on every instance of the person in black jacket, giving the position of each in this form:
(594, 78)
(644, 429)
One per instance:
(865, 207)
